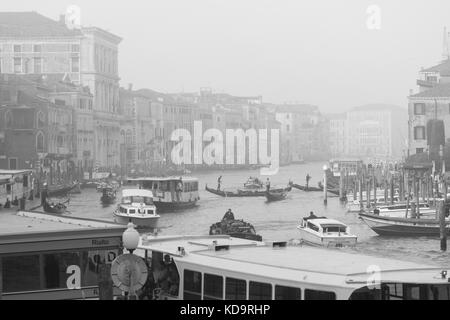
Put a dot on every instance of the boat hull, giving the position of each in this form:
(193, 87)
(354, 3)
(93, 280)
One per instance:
(144, 222)
(385, 226)
(271, 197)
(174, 206)
(327, 241)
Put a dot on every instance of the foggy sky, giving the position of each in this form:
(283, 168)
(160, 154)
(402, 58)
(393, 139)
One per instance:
(318, 52)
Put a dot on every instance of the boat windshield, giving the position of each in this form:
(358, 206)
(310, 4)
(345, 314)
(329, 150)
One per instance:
(336, 229)
(136, 199)
(401, 291)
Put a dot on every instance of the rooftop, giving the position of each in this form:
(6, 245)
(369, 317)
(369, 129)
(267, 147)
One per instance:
(23, 222)
(443, 68)
(32, 25)
(441, 90)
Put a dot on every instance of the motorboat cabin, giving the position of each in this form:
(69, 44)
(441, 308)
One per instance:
(325, 232)
(226, 268)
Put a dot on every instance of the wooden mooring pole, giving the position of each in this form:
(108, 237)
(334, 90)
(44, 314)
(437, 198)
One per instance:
(442, 226)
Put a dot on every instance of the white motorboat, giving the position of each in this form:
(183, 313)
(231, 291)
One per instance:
(137, 207)
(326, 232)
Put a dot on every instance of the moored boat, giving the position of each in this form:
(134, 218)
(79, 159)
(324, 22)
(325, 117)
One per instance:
(326, 232)
(403, 227)
(137, 207)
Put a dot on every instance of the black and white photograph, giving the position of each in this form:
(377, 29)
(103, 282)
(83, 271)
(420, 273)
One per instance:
(224, 150)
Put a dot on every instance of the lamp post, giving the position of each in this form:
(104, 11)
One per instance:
(130, 240)
(325, 183)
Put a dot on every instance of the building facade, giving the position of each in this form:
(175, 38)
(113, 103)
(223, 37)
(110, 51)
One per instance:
(33, 44)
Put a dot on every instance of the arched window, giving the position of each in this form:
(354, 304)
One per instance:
(40, 120)
(40, 142)
(8, 119)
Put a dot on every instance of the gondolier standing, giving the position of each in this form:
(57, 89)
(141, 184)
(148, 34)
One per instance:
(219, 182)
(308, 178)
(268, 185)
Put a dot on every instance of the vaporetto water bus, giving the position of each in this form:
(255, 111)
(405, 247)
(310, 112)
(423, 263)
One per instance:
(171, 193)
(222, 267)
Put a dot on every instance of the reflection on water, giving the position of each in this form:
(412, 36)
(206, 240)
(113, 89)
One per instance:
(274, 221)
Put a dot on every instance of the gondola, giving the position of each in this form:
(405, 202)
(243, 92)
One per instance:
(244, 193)
(272, 196)
(315, 189)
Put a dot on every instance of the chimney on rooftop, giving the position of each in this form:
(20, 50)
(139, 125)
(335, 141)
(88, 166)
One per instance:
(62, 19)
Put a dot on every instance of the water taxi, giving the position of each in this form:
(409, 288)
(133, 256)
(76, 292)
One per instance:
(137, 207)
(171, 193)
(326, 232)
(222, 267)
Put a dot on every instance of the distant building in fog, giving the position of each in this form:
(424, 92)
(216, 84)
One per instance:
(302, 130)
(33, 44)
(376, 131)
(337, 134)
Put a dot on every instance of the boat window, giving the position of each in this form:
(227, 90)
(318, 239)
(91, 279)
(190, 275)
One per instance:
(21, 273)
(398, 291)
(213, 287)
(319, 295)
(235, 289)
(192, 285)
(313, 227)
(334, 229)
(260, 291)
(287, 293)
(366, 294)
(132, 211)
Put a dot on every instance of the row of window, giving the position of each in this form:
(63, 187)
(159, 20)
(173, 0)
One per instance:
(420, 109)
(237, 289)
(167, 186)
(22, 65)
(38, 48)
(49, 271)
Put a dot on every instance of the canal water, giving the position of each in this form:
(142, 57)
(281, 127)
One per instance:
(274, 221)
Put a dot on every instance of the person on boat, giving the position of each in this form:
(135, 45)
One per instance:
(219, 182)
(268, 185)
(15, 202)
(7, 204)
(308, 178)
(229, 215)
(179, 190)
(312, 216)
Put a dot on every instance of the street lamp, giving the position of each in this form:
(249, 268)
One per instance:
(130, 238)
(325, 183)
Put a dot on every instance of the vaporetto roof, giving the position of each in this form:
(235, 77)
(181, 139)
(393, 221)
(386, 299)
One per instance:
(319, 266)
